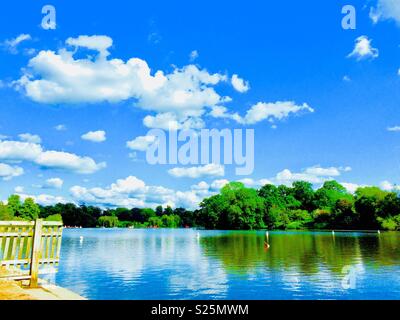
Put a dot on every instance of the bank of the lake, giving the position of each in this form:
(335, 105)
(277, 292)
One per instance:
(19, 290)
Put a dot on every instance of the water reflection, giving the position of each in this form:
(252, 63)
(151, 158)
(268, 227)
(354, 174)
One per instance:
(187, 264)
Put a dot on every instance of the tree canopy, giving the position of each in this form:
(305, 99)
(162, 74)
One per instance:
(237, 207)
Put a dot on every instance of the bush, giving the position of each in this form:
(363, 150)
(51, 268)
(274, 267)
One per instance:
(108, 222)
(54, 217)
(391, 224)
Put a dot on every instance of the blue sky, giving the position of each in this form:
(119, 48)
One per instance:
(289, 57)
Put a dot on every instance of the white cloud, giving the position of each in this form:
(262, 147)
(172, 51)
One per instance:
(44, 199)
(193, 55)
(141, 143)
(218, 184)
(363, 49)
(388, 186)
(101, 44)
(315, 175)
(8, 172)
(32, 152)
(60, 78)
(60, 127)
(32, 138)
(55, 183)
(239, 84)
(68, 161)
(251, 183)
(95, 136)
(196, 172)
(133, 192)
(271, 112)
(12, 44)
(19, 189)
(351, 187)
(178, 98)
(346, 78)
(386, 10)
(170, 121)
(394, 129)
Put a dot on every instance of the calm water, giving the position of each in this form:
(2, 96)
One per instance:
(178, 264)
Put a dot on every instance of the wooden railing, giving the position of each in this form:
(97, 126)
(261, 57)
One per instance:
(29, 248)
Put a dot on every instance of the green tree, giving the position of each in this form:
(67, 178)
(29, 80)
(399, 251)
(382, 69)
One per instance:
(211, 210)
(155, 221)
(236, 207)
(159, 211)
(304, 193)
(168, 211)
(29, 210)
(108, 222)
(344, 216)
(327, 196)
(5, 212)
(54, 217)
(14, 204)
(368, 205)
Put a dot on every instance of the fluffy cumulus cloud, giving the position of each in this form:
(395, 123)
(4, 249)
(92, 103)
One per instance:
(363, 49)
(12, 44)
(55, 183)
(59, 77)
(33, 138)
(95, 136)
(178, 98)
(350, 187)
(171, 121)
(263, 111)
(141, 143)
(8, 172)
(132, 192)
(43, 199)
(210, 170)
(388, 186)
(252, 183)
(315, 175)
(34, 153)
(239, 84)
(386, 10)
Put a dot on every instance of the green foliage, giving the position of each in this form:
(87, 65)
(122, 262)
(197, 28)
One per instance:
(29, 210)
(155, 222)
(238, 208)
(54, 217)
(5, 212)
(108, 222)
(14, 204)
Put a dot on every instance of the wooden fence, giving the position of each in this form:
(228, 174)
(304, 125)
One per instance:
(26, 248)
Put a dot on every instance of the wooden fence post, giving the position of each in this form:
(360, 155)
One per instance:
(37, 244)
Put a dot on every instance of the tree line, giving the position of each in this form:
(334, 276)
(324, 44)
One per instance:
(237, 207)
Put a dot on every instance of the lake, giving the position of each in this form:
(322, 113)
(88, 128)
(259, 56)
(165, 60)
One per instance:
(191, 264)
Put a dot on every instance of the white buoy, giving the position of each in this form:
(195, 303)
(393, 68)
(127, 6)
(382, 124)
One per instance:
(198, 235)
(379, 232)
(333, 232)
(267, 235)
(81, 239)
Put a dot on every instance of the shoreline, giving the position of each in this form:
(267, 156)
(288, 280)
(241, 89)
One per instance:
(19, 290)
